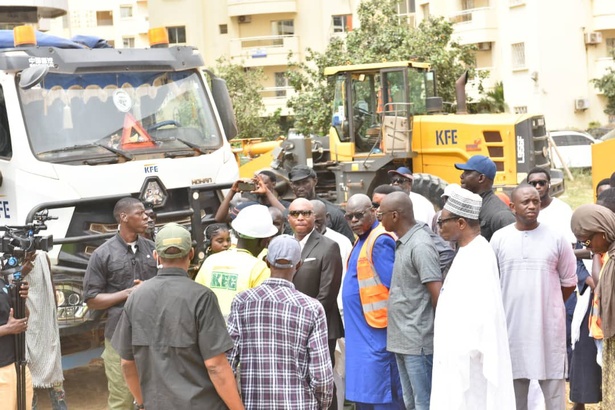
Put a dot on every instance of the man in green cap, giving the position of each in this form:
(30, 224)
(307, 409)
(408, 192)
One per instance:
(172, 337)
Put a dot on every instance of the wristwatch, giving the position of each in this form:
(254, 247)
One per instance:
(138, 406)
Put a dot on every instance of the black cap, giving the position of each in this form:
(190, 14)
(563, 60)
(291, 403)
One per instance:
(300, 172)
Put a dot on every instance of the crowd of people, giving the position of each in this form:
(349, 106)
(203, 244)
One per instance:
(485, 304)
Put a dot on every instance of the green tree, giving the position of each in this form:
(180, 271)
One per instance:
(244, 88)
(492, 102)
(382, 36)
(606, 85)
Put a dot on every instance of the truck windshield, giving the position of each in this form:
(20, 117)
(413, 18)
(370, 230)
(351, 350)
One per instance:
(72, 118)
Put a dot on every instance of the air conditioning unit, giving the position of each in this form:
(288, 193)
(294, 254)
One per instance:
(593, 37)
(484, 46)
(244, 19)
(581, 104)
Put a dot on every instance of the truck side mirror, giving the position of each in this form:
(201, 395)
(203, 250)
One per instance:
(31, 76)
(222, 99)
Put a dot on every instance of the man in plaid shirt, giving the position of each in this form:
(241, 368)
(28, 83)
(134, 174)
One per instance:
(280, 339)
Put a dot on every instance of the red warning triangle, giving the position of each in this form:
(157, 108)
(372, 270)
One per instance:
(139, 138)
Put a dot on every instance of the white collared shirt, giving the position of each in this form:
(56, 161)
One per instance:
(303, 241)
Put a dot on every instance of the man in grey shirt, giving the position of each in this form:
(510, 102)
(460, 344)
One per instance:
(414, 291)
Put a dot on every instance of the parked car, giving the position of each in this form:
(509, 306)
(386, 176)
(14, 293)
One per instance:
(608, 136)
(574, 147)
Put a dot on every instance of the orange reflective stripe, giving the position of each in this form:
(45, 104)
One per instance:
(374, 295)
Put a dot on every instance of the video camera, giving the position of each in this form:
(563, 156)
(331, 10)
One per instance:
(19, 240)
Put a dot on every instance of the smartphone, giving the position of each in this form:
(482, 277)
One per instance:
(246, 186)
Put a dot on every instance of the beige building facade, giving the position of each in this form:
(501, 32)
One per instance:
(123, 23)
(544, 52)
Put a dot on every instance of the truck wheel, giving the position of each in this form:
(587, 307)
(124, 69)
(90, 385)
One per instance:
(431, 187)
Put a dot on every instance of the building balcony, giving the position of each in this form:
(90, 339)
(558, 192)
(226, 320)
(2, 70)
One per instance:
(263, 51)
(29, 11)
(251, 7)
(603, 12)
(275, 98)
(475, 25)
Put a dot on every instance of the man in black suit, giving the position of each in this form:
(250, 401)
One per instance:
(320, 275)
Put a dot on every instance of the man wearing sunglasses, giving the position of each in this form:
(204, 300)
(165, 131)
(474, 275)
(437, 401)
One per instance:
(477, 177)
(372, 378)
(320, 273)
(471, 366)
(303, 181)
(423, 208)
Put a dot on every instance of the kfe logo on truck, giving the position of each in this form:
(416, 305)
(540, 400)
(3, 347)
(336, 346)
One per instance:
(446, 137)
(150, 168)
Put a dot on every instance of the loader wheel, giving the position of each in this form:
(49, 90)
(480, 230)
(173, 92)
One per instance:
(431, 187)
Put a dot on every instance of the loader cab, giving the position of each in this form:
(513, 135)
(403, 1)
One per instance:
(374, 105)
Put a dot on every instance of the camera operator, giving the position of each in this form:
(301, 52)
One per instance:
(9, 328)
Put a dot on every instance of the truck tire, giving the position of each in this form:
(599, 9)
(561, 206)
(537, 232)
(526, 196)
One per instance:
(431, 187)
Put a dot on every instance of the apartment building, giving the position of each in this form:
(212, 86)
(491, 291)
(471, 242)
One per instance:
(544, 51)
(123, 23)
(257, 33)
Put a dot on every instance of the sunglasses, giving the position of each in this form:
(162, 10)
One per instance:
(296, 214)
(440, 222)
(399, 181)
(540, 182)
(358, 215)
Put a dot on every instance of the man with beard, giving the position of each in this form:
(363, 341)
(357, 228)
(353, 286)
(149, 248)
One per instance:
(537, 274)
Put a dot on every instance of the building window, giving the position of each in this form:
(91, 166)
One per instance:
(342, 24)
(522, 109)
(126, 11)
(610, 46)
(104, 18)
(518, 55)
(128, 42)
(177, 35)
(223, 28)
(405, 7)
(281, 82)
(283, 28)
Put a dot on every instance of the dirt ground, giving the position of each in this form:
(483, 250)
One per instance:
(86, 388)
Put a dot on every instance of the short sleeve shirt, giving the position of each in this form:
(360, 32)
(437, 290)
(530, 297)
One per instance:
(169, 327)
(411, 314)
(113, 267)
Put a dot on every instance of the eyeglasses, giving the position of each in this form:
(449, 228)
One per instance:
(541, 182)
(440, 222)
(379, 214)
(588, 241)
(358, 215)
(303, 213)
(399, 181)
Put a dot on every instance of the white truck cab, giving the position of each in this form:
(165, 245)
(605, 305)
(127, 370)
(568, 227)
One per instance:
(81, 128)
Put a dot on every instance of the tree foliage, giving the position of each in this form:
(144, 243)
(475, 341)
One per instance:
(606, 85)
(382, 36)
(492, 102)
(244, 88)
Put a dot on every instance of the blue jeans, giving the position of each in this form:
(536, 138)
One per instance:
(415, 375)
